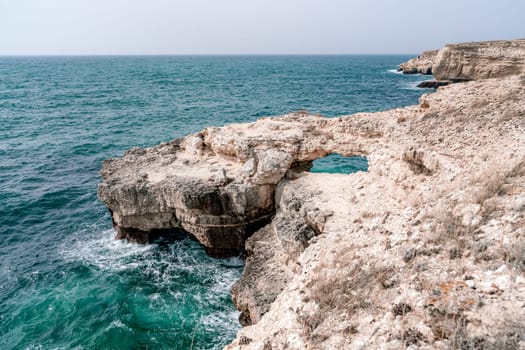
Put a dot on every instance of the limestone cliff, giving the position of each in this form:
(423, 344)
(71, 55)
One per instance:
(219, 185)
(422, 64)
(470, 61)
(480, 60)
(425, 250)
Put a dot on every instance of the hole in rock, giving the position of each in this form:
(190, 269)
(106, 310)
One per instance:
(337, 164)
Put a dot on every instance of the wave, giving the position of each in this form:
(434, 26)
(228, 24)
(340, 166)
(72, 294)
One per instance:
(413, 85)
(179, 263)
(176, 280)
(395, 71)
(105, 252)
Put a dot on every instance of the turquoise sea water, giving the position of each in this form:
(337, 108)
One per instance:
(64, 282)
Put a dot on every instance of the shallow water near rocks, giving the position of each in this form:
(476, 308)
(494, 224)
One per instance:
(337, 164)
(65, 282)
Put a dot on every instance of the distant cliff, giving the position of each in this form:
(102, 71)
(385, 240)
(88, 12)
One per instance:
(470, 61)
(421, 64)
(480, 60)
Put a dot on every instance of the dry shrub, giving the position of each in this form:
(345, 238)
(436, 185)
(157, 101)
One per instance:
(495, 182)
(412, 337)
(514, 254)
(401, 309)
(490, 185)
(449, 323)
(511, 336)
(508, 336)
(449, 226)
(401, 119)
(454, 227)
(342, 290)
(342, 287)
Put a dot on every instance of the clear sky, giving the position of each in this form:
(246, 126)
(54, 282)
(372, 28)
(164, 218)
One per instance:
(54, 27)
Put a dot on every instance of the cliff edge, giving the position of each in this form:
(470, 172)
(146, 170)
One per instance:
(425, 250)
(470, 61)
(480, 60)
(421, 64)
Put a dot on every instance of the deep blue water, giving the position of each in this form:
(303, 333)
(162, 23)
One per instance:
(64, 282)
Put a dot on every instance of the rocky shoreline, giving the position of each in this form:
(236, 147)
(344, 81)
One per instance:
(421, 64)
(464, 62)
(425, 250)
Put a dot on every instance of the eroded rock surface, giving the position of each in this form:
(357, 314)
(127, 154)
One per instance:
(425, 250)
(480, 60)
(420, 65)
(219, 184)
(273, 251)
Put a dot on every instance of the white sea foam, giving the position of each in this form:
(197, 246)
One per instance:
(161, 265)
(106, 252)
(232, 262)
(41, 347)
(155, 297)
(412, 86)
(118, 324)
(224, 323)
(395, 71)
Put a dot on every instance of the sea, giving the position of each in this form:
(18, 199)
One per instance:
(65, 282)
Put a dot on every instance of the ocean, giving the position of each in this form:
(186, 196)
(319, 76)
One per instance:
(65, 283)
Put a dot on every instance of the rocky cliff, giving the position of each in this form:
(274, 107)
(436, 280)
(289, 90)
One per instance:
(421, 64)
(470, 61)
(425, 250)
(219, 185)
(480, 60)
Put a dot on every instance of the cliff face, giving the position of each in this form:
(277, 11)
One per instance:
(219, 185)
(419, 65)
(480, 60)
(470, 61)
(426, 249)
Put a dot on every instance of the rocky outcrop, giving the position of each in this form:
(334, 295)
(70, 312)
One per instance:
(469, 61)
(480, 60)
(170, 188)
(425, 250)
(273, 251)
(218, 185)
(434, 84)
(422, 64)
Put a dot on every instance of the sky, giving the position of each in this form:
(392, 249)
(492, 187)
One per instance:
(115, 27)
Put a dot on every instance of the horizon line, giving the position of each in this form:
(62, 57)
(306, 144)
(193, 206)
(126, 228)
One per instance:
(202, 54)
